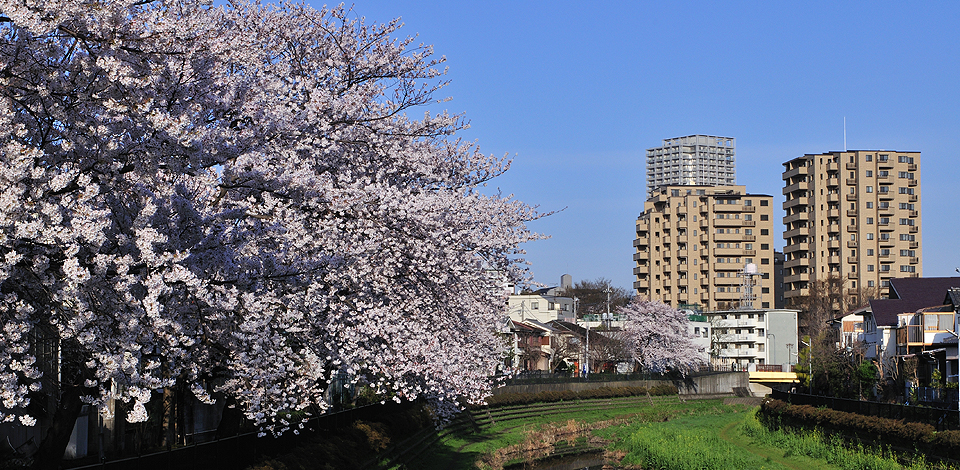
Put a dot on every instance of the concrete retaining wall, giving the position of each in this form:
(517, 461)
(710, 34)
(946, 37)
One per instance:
(721, 383)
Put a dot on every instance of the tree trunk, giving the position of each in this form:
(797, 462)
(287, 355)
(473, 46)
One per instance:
(54, 444)
(230, 419)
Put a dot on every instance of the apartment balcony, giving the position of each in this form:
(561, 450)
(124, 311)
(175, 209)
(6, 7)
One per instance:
(728, 222)
(794, 247)
(800, 170)
(885, 258)
(749, 208)
(852, 228)
(886, 196)
(886, 226)
(914, 260)
(886, 211)
(833, 181)
(851, 166)
(705, 238)
(796, 278)
(852, 197)
(833, 213)
(727, 281)
(882, 177)
(851, 244)
(833, 244)
(735, 252)
(749, 223)
(833, 166)
(641, 241)
(833, 260)
(885, 164)
(641, 255)
(797, 232)
(913, 182)
(852, 260)
(914, 213)
(914, 229)
(682, 253)
(749, 252)
(726, 296)
(833, 197)
(851, 212)
(851, 181)
(797, 201)
(795, 217)
(792, 293)
(644, 269)
(833, 228)
(914, 198)
(666, 239)
(912, 167)
(914, 245)
(852, 276)
(887, 242)
(728, 208)
(795, 262)
(801, 186)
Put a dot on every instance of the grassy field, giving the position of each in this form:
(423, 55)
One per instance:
(702, 434)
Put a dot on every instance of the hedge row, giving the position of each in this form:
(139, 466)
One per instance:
(509, 399)
(903, 433)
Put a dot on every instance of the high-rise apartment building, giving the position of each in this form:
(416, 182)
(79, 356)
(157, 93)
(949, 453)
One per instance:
(710, 246)
(853, 215)
(692, 160)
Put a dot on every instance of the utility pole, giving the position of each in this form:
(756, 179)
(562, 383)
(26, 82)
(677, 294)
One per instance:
(608, 317)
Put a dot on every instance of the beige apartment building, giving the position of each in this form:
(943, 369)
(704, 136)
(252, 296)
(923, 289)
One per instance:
(854, 215)
(706, 247)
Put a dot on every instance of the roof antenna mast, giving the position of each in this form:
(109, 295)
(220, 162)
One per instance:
(844, 133)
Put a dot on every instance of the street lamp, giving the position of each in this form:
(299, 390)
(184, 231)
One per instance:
(773, 356)
(810, 370)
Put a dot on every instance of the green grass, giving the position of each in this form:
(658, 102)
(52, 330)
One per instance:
(464, 450)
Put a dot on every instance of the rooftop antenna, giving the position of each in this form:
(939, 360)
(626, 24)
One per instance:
(844, 133)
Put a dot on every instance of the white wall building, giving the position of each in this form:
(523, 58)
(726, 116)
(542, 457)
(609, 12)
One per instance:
(749, 338)
(702, 160)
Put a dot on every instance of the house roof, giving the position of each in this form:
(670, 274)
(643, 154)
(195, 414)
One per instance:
(927, 289)
(953, 297)
(885, 311)
(911, 294)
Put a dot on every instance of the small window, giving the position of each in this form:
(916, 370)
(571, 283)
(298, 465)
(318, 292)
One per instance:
(764, 202)
(535, 305)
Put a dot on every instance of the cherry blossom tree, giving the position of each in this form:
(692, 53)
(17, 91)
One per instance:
(234, 199)
(659, 336)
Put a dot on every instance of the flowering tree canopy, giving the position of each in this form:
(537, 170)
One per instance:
(659, 336)
(234, 199)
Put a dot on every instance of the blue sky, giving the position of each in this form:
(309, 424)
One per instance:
(576, 93)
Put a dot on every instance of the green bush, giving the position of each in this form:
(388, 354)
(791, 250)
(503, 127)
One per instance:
(514, 399)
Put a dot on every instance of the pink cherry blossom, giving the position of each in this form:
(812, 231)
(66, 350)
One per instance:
(235, 198)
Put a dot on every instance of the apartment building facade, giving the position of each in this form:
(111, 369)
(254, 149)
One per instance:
(694, 244)
(692, 160)
(853, 215)
(756, 337)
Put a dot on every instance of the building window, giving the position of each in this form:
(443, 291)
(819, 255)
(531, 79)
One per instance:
(764, 202)
(868, 158)
(870, 268)
(869, 173)
(764, 231)
(535, 305)
(764, 217)
(870, 220)
(869, 189)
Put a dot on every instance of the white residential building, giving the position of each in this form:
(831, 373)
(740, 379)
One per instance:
(696, 160)
(751, 338)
